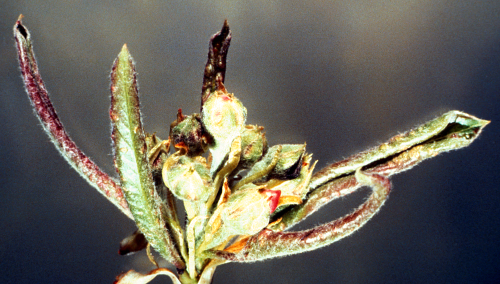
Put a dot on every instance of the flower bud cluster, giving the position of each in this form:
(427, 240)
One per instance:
(231, 205)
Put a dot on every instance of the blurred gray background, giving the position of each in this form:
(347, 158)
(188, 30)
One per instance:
(341, 75)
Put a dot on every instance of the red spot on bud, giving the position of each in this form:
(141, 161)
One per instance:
(273, 197)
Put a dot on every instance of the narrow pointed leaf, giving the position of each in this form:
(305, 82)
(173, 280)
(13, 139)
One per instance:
(453, 123)
(451, 131)
(47, 115)
(131, 159)
(216, 63)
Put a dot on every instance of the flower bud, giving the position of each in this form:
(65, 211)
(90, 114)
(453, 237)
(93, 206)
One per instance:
(223, 117)
(297, 187)
(188, 132)
(247, 211)
(188, 178)
(289, 162)
(280, 162)
(253, 146)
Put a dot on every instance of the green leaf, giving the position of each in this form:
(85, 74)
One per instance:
(451, 131)
(131, 159)
(457, 129)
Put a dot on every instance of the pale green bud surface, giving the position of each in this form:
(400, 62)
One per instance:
(187, 178)
(223, 117)
(253, 146)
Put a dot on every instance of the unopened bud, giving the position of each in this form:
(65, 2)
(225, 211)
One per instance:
(289, 162)
(297, 187)
(187, 178)
(247, 211)
(223, 117)
(282, 162)
(187, 132)
(253, 146)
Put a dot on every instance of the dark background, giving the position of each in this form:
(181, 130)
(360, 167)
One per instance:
(341, 75)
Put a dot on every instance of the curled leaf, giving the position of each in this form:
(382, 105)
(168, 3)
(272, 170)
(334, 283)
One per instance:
(133, 277)
(47, 115)
(451, 131)
(215, 68)
(455, 129)
(269, 244)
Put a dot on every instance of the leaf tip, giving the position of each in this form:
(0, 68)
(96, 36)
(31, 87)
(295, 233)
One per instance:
(124, 52)
(19, 29)
(484, 122)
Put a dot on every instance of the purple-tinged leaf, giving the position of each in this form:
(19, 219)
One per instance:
(53, 127)
(215, 69)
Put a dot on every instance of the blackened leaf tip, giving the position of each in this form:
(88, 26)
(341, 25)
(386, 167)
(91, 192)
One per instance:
(20, 28)
(223, 35)
(225, 26)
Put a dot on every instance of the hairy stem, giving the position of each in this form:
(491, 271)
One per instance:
(269, 244)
